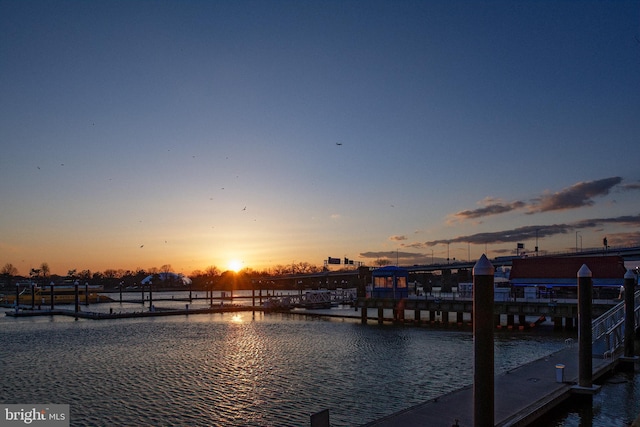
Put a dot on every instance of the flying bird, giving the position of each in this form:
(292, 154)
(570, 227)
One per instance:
(338, 143)
(142, 246)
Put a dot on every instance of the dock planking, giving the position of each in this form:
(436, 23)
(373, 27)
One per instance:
(522, 395)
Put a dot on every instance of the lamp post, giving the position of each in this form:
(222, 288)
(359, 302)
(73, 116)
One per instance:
(52, 295)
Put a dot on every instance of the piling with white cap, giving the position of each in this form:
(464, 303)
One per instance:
(483, 357)
(585, 333)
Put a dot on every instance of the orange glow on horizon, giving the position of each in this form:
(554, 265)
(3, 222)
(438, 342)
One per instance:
(235, 265)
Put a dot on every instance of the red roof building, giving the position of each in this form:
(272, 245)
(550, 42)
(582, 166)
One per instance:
(563, 271)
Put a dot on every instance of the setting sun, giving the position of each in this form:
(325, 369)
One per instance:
(235, 265)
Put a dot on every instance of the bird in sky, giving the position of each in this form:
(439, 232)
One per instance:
(338, 143)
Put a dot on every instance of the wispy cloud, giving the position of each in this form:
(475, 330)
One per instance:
(531, 231)
(576, 196)
(631, 186)
(624, 239)
(398, 238)
(491, 207)
(401, 257)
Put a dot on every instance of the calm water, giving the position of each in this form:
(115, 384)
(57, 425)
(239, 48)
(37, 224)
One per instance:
(616, 405)
(238, 369)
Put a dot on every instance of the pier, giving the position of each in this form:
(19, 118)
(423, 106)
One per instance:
(452, 310)
(522, 394)
(132, 314)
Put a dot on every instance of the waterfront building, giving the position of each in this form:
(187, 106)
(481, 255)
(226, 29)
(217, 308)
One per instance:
(556, 276)
(390, 282)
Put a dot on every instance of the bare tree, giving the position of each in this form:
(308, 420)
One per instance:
(46, 271)
(111, 273)
(85, 275)
(212, 271)
(381, 262)
(280, 269)
(9, 270)
(305, 267)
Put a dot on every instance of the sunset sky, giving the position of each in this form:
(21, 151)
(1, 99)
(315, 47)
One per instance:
(193, 133)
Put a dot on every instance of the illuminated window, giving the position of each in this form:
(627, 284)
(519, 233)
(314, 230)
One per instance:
(402, 282)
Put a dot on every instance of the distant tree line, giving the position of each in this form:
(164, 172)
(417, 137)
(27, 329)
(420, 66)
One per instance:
(211, 278)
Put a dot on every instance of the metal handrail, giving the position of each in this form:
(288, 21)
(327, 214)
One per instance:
(609, 328)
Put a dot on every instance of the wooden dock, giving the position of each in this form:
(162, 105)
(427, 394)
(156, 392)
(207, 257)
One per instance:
(131, 314)
(522, 395)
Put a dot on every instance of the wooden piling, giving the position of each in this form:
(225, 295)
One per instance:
(483, 351)
(77, 299)
(363, 313)
(585, 334)
(629, 310)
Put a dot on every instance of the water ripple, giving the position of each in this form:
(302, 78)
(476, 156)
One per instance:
(238, 371)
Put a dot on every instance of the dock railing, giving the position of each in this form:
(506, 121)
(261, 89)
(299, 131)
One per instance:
(315, 298)
(608, 329)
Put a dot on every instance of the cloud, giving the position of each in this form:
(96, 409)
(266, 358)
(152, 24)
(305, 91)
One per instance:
(416, 245)
(633, 220)
(576, 196)
(530, 232)
(398, 238)
(403, 257)
(630, 187)
(624, 239)
(488, 210)
(505, 236)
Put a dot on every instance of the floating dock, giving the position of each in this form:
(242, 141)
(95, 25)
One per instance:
(522, 395)
(131, 314)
